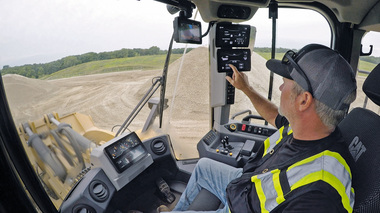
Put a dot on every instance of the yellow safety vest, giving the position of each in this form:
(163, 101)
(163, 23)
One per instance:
(326, 166)
(274, 139)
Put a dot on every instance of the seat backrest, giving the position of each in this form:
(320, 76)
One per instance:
(361, 130)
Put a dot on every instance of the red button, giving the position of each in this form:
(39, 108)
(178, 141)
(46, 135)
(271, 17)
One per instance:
(243, 127)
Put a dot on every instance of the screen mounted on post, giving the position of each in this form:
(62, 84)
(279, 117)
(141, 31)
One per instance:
(187, 31)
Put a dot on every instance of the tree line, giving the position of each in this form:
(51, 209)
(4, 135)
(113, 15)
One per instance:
(371, 59)
(43, 69)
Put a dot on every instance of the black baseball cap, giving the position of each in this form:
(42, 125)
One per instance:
(321, 71)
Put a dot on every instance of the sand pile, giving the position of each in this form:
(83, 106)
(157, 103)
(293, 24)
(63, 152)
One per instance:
(31, 89)
(109, 98)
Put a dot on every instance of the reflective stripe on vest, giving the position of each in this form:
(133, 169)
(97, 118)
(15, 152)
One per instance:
(326, 166)
(274, 139)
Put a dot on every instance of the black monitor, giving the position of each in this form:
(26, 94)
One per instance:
(125, 152)
(232, 35)
(187, 31)
(240, 58)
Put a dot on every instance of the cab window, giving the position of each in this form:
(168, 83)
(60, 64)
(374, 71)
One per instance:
(366, 65)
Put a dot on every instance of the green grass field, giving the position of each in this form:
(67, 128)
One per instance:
(114, 65)
(366, 66)
(267, 55)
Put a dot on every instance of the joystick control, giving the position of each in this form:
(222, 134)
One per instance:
(225, 148)
(226, 143)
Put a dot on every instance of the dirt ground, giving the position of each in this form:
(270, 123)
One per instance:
(110, 98)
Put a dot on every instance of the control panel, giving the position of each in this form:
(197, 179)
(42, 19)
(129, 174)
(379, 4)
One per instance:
(230, 93)
(240, 58)
(229, 44)
(234, 143)
(229, 35)
(232, 42)
(230, 149)
(122, 159)
(251, 129)
(220, 148)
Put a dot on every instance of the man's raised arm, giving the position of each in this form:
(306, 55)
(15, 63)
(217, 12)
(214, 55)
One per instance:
(263, 106)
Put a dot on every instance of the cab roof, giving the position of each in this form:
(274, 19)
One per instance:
(363, 15)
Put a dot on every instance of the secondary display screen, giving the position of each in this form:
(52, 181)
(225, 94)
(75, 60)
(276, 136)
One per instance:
(240, 58)
(187, 31)
(125, 152)
(232, 35)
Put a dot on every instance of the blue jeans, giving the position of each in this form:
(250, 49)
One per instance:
(212, 176)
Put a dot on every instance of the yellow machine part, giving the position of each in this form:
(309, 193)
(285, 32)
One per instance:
(80, 123)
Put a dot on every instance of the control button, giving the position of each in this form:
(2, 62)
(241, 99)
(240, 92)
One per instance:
(224, 152)
(265, 131)
(233, 127)
(243, 127)
(217, 150)
(230, 153)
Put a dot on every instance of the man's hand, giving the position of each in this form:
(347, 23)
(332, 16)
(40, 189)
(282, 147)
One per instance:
(239, 80)
(264, 107)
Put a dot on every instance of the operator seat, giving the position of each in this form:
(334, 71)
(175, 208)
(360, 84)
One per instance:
(361, 131)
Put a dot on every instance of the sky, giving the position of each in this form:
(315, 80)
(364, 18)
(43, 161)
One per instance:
(40, 31)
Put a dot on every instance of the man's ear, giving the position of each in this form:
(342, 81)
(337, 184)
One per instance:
(304, 101)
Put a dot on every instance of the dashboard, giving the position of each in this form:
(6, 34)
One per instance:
(125, 167)
(115, 168)
(125, 152)
(122, 159)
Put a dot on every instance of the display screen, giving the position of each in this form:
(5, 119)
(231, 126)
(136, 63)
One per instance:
(240, 58)
(126, 151)
(232, 35)
(187, 31)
